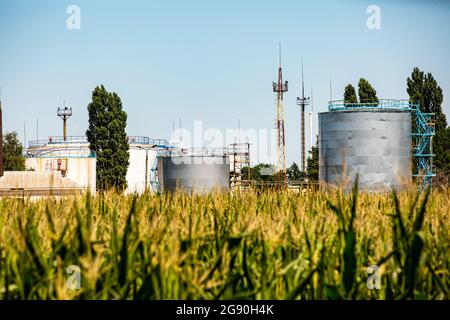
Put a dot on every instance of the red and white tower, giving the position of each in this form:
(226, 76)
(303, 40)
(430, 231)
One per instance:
(280, 88)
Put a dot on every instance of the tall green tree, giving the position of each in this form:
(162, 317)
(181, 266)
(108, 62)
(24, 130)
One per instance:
(367, 94)
(441, 149)
(423, 89)
(13, 159)
(350, 95)
(108, 139)
(312, 168)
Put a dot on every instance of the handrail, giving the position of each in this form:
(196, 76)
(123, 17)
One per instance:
(391, 104)
(56, 140)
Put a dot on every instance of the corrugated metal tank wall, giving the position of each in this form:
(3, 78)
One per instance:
(194, 173)
(375, 144)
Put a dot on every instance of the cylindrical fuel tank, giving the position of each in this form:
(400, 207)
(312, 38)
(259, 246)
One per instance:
(198, 174)
(375, 144)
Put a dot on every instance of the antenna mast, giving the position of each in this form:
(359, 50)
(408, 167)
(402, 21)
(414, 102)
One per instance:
(303, 102)
(280, 88)
(331, 90)
(64, 113)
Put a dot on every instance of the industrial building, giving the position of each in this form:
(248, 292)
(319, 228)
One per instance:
(192, 170)
(30, 184)
(374, 141)
(72, 158)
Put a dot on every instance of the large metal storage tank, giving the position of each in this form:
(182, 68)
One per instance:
(198, 174)
(376, 144)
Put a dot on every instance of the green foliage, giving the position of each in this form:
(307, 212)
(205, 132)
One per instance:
(107, 137)
(13, 159)
(366, 92)
(441, 148)
(250, 245)
(261, 172)
(409, 244)
(267, 173)
(350, 95)
(293, 173)
(313, 163)
(423, 89)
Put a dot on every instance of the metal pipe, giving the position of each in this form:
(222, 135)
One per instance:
(146, 170)
(65, 129)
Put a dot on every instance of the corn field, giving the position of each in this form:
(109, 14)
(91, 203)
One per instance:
(252, 245)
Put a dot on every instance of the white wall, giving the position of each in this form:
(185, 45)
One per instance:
(80, 170)
(136, 170)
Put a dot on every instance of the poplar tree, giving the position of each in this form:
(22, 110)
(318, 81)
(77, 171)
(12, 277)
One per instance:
(423, 89)
(313, 163)
(108, 139)
(350, 95)
(367, 94)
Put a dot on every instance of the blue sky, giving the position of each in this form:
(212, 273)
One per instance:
(211, 61)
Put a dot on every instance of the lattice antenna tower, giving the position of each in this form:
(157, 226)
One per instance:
(280, 88)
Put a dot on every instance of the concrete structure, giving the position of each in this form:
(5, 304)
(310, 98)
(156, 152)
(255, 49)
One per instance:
(376, 143)
(81, 170)
(31, 184)
(72, 158)
(193, 173)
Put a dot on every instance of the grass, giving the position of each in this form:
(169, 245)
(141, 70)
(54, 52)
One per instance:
(255, 245)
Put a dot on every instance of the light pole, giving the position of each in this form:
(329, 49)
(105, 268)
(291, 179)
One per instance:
(64, 113)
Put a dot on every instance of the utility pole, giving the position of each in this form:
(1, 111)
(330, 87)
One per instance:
(303, 102)
(64, 113)
(280, 88)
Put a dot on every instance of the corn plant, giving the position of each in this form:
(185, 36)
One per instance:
(266, 244)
